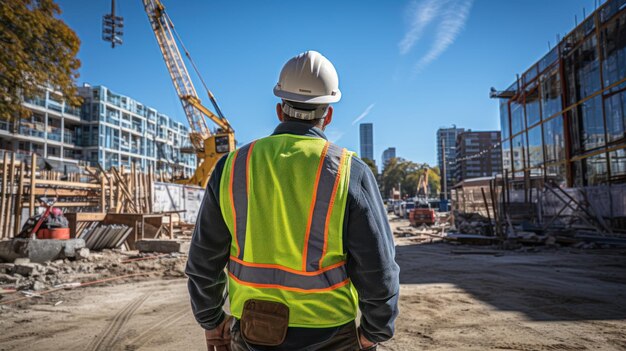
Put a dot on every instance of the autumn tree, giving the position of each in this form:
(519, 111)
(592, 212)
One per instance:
(37, 48)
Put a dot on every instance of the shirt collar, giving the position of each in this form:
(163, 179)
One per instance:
(299, 128)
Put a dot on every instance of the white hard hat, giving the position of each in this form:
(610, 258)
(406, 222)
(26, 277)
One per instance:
(308, 78)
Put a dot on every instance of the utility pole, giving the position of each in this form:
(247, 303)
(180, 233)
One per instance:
(444, 176)
(112, 27)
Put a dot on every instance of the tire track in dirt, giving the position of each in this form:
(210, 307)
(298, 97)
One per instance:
(108, 337)
(145, 337)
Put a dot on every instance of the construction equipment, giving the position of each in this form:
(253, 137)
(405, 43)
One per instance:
(208, 146)
(49, 225)
(422, 214)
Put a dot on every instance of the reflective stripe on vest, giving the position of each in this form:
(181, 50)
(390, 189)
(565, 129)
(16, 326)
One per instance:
(311, 277)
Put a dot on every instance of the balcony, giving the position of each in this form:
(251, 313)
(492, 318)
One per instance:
(33, 129)
(54, 134)
(55, 106)
(39, 101)
(74, 111)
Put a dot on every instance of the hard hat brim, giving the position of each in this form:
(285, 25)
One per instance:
(309, 99)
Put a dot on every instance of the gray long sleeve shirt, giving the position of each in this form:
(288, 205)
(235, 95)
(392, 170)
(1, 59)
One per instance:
(368, 242)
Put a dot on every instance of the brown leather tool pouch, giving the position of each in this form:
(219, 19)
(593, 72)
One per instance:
(264, 322)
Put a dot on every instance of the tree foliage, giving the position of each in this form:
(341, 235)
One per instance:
(404, 174)
(372, 165)
(37, 48)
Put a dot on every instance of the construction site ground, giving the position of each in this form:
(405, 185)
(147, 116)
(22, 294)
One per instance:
(453, 297)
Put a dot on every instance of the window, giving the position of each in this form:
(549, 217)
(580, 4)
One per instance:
(617, 159)
(533, 115)
(504, 118)
(596, 171)
(613, 46)
(554, 145)
(582, 70)
(551, 93)
(535, 148)
(587, 126)
(519, 152)
(615, 111)
(517, 118)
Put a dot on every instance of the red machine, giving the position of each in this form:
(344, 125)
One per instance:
(422, 216)
(52, 224)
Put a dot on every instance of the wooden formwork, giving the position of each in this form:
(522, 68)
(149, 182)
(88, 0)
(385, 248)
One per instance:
(92, 190)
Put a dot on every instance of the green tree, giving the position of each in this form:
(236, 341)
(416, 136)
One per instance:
(37, 48)
(404, 174)
(372, 165)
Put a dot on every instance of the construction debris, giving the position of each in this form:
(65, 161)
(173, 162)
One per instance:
(31, 276)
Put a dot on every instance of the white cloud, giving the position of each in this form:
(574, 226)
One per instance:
(450, 17)
(420, 15)
(364, 114)
(452, 23)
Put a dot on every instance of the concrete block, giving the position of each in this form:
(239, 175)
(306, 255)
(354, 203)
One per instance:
(39, 250)
(81, 254)
(26, 269)
(165, 246)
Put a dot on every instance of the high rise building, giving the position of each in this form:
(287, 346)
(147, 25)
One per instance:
(367, 140)
(478, 154)
(108, 129)
(446, 145)
(564, 120)
(388, 154)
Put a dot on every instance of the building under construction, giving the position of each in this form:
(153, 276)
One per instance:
(564, 134)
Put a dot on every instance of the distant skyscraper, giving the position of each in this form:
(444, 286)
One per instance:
(448, 136)
(367, 140)
(388, 154)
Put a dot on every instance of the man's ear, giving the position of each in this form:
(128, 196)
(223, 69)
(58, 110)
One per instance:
(329, 117)
(279, 111)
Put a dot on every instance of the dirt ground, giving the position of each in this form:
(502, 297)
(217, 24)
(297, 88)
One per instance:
(561, 299)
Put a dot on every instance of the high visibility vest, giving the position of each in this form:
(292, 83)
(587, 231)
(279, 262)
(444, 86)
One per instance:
(283, 199)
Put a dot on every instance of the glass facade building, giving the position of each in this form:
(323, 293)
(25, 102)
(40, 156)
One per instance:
(388, 154)
(366, 133)
(564, 119)
(108, 129)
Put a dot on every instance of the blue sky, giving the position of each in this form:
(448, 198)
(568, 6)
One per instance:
(409, 67)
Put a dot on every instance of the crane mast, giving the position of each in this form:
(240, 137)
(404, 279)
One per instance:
(209, 147)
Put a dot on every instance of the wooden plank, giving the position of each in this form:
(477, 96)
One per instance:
(65, 192)
(18, 200)
(103, 194)
(110, 180)
(3, 194)
(8, 230)
(62, 183)
(33, 184)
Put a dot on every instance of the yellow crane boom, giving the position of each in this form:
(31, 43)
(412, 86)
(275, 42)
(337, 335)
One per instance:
(208, 146)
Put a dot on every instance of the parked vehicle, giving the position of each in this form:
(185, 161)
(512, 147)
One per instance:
(423, 214)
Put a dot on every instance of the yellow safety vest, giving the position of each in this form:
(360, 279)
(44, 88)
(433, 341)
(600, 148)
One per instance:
(283, 199)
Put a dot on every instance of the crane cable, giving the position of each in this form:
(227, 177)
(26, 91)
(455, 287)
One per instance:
(195, 68)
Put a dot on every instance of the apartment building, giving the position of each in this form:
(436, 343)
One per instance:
(446, 145)
(109, 129)
(478, 154)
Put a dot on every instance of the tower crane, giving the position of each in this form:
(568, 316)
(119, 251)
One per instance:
(207, 145)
